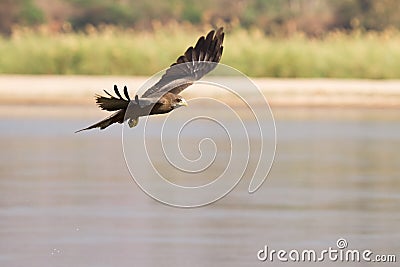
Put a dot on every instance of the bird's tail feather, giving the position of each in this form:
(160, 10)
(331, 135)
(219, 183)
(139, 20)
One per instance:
(114, 118)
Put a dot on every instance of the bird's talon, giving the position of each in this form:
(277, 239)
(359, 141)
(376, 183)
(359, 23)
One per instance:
(133, 122)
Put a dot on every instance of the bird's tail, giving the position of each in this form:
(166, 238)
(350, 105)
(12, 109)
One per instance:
(114, 118)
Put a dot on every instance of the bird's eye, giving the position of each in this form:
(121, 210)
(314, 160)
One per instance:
(179, 100)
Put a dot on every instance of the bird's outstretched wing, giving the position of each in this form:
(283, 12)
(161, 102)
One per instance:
(113, 103)
(196, 62)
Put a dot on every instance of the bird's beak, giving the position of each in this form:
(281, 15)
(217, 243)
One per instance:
(183, 103)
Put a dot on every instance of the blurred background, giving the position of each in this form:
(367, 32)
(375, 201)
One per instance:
(329, 69)
(266, 38)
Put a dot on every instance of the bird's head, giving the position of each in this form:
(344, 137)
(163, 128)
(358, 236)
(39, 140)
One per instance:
(179, 102)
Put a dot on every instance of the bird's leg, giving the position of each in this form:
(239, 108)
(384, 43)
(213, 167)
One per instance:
(133, 122)
(137, 99)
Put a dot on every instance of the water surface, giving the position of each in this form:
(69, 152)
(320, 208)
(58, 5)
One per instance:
(69, 200)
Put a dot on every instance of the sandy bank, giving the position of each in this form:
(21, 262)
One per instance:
(16, 89)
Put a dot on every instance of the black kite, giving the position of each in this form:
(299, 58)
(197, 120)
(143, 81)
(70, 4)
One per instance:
(163, 96)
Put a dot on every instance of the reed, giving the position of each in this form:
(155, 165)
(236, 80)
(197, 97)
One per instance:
(112, 51)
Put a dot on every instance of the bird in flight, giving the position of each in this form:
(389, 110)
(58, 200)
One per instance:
(163, 96)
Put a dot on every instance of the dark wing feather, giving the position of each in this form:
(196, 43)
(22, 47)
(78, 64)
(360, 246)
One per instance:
(126, 93)
(198, 58)
(113, 103)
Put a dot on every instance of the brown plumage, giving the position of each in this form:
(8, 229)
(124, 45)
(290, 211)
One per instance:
(164, 96)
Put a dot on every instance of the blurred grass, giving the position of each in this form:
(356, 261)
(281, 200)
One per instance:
(111, 51)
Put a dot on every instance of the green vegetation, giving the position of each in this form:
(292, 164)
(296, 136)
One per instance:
(275, 38)
(114, 51)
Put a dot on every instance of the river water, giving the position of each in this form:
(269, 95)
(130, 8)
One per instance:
(68, 199)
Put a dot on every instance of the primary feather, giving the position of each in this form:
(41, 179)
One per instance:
(198, 61)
